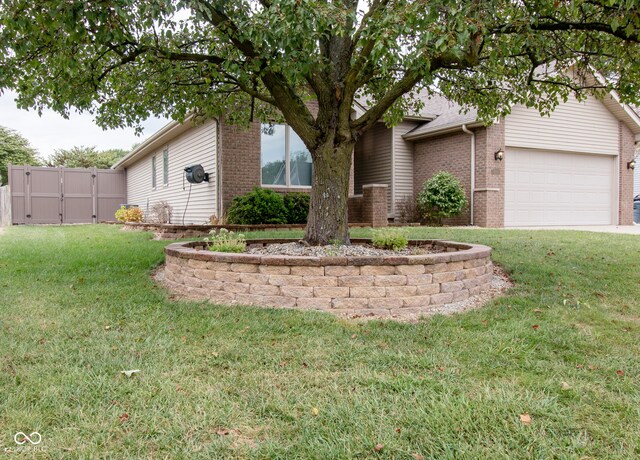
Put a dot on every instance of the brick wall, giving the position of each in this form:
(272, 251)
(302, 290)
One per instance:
(627, 151)
(240, 160)
(241, 164)
(446, 153)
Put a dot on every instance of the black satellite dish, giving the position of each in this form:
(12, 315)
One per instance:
(195, 174)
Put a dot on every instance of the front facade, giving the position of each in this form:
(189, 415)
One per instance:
(566, 169)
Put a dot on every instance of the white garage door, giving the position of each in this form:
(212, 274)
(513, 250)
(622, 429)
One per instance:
(551, 188)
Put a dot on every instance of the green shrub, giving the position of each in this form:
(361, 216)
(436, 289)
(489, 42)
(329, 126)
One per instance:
(226, 241)
(394, 239)
(441, 196)
(297, 206)
(261, 206)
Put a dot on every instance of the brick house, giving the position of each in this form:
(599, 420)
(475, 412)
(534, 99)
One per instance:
(524, 170)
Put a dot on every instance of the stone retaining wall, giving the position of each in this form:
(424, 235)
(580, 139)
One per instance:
(384, 286)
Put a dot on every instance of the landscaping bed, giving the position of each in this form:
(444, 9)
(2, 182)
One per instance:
(384, 284)
(548, 370)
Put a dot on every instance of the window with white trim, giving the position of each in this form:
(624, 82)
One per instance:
(285, 160)
(153, 171)
(165, 167)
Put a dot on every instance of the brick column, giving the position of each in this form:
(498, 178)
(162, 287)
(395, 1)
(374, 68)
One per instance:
(627, 151)
(489, 194)
(374, 206)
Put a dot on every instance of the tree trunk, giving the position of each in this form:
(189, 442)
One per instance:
(327, 222)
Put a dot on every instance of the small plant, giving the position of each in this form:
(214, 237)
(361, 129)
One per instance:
(394, 239)
(297, 206)
(132, 214)
(261, 206)
(226, 241)
(441, 196)
(162, 212)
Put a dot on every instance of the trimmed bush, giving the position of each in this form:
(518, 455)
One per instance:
(441, 196)
(129, 215)
(297, 205)
(261, 206)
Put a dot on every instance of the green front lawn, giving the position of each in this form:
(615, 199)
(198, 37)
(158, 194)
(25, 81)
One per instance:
(77, 307)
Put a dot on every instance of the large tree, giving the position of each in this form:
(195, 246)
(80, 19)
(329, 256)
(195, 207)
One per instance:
(15, 150)
(125, 60)
(85, 157)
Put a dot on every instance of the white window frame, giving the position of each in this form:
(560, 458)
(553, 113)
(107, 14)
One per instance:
(165, 167)
(154, 172)
(287, 162)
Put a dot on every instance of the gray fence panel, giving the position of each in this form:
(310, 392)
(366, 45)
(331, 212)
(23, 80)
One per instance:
(77, 196)
(65, 195)
(5, 206)
(44, 195)
(111, 192)
(18, 186)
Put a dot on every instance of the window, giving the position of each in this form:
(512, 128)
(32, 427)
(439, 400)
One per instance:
(284, 157)
(165, 167)
(153, 171)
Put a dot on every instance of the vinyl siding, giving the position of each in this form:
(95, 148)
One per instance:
(636, 179)
(197, 145)
(402, 164)
(584, 127)
(372, 160)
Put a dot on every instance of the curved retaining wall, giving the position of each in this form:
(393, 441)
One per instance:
(392, 285)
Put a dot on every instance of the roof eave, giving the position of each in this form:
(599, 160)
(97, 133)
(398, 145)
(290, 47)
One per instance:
(445, 129)
(156, 140)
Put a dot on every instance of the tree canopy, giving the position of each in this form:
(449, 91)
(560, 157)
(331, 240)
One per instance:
(85, 157)
(15, 150)
(125, 60)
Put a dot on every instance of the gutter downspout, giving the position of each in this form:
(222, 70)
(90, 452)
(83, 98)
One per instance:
(473, 169)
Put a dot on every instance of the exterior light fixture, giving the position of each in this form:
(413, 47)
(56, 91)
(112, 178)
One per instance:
(499, 155)
(631, 164)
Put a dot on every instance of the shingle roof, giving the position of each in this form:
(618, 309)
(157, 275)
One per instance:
(447, 114)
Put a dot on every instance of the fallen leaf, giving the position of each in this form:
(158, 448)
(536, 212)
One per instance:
(354, 336)
(620, 372)
(537, 310)
(215, 354)
(130, 373)
(305, 365)
(565, 386)
(184, 339)
(417, 457)
(378, 447)
(579, 366)
(398, 430)
(525, 418)
(222, 431)
(106, 328)
(535, 327)
(315, 411)
(485, 323)
(124, 417)
(592, 367)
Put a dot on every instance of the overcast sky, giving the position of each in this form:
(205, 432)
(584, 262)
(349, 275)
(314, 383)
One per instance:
(51, 131)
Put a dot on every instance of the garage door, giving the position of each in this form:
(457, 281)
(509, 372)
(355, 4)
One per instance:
(551, 188)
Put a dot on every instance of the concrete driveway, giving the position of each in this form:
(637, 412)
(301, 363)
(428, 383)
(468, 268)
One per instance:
(624, 229)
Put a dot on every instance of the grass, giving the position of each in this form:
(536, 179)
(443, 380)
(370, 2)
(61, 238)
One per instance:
(77, 307)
